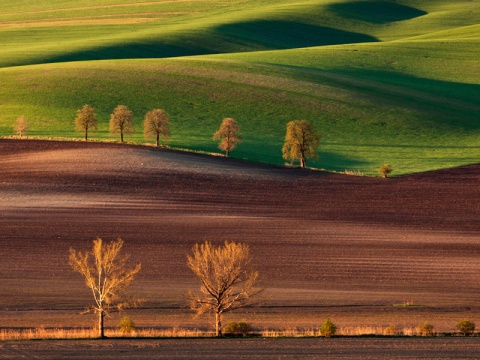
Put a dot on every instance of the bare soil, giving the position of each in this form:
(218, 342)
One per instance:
(341, 348)
(327, 245)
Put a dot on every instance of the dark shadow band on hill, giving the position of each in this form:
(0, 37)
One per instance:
(231, 38)
(453, 105)
(156, 50)
(276, 34)
(376, 12)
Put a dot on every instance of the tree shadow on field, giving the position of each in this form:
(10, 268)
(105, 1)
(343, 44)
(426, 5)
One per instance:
(335, 161)
(276, 34)
(376, 12)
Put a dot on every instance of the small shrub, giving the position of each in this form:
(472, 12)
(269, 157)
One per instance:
(237, 329)
(328, 328)
(466, 327)
(425, 329)
(390, 330)
(385, 169)
(126, 325)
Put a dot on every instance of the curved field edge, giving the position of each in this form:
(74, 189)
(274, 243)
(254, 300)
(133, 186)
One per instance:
(370, 236)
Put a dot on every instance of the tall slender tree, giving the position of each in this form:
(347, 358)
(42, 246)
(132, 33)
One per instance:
(86, 120)
(106, 274)
(156, 124)
(227, 278)
(121, 121)
(229, 135)
(301, 142)
(20, 127)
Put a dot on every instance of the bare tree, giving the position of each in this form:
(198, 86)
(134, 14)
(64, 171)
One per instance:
(156, 124)
(301, 142)
(229, 135)
(121, 121)
(227, 279)
(106, 274)
(86, 120)
(20, 127)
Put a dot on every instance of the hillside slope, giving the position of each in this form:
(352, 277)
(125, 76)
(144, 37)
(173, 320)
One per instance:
(345, 246)
(84, 30)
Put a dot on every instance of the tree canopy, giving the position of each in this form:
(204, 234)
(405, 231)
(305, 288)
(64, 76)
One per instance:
(106, 274)
(156, 124)
(301, 142)
(227, 278)
(86, 120)
(229, 135)
(121, 121)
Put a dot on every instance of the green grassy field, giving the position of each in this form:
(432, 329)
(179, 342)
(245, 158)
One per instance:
(383, 81)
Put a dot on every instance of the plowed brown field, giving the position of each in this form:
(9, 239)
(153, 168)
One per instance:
(250, 349)
(327, 245)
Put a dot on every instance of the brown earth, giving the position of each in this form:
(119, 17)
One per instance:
(332, 349)
(327, 245)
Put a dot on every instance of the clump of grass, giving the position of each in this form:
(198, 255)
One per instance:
(237, 329)
(391, 330)
(291, 332)
(126, 325)
(361, 330)
(354, 172)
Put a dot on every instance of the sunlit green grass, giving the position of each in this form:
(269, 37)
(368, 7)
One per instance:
(402, 89)
(411, 122)
(35, 32)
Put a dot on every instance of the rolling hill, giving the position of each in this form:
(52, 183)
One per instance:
(383, 81)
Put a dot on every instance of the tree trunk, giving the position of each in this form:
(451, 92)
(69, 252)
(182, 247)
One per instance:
(101, 316)
(121, 136)
(158, 139)
(227, 152)
(86, 134)
(218, 325)
(303, 163)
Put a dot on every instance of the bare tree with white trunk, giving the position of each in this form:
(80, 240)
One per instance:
(106, 274)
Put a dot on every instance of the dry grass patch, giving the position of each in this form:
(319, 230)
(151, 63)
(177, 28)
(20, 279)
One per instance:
(92, 333)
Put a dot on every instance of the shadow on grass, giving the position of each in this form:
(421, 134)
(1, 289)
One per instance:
(230, 38)
(337, 162)
(376, 12)
(276, 34)
(147, 50)
(453, 105)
